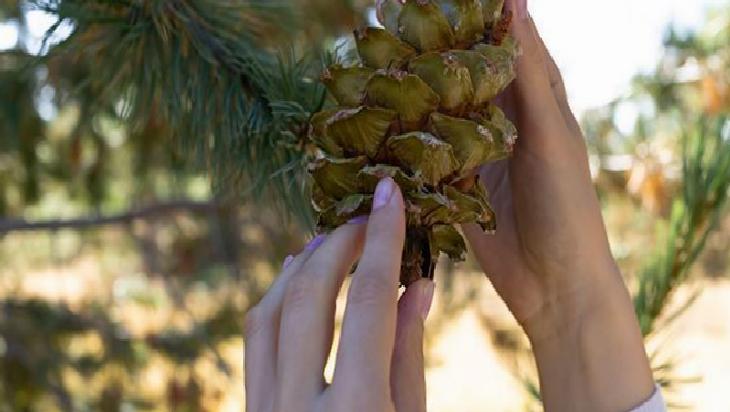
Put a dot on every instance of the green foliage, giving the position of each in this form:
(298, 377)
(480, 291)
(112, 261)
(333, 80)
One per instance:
(153, 98)
(222, 87)
(197, 67)
(21, 128)
(684, 106)
(78, 151)
(705, 182)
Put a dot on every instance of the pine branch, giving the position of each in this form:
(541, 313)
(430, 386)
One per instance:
(706, 178)
(207, 68)
(81, 223)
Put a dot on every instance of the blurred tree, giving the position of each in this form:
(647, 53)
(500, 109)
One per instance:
(122, 114)
(681, 132)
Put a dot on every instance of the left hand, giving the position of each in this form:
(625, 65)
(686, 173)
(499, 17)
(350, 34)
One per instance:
(379, 364)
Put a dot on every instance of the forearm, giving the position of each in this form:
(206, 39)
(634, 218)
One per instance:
(589, 350)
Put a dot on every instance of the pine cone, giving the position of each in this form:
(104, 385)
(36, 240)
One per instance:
(417, 110)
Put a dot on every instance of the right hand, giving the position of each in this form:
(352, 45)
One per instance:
(549, 223)
(550, 258)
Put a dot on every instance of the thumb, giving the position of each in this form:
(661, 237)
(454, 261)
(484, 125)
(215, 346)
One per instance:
(407, 382)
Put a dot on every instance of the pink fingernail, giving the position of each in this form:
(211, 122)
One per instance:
(427, 299)
(315, 242)
(287, 261)
(383, 192)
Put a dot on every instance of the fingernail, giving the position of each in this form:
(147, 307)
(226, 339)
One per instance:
(427, 299)
(287, 261)
(357, 220)
(315, 242)
(383, 192)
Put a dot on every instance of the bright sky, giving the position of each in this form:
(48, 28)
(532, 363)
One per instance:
(600, 45)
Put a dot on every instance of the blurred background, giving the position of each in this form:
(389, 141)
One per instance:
(146, 147)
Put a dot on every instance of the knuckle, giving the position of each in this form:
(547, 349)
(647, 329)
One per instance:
(368, 289)
(301, 291)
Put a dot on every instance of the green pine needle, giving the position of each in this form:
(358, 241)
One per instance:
(212, 71)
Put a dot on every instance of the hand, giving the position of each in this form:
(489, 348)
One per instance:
(549, 224)
(550, 259)
(379, 364)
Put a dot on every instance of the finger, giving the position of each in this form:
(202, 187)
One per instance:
(307, 317)
(557, 84)
(262, 333)
(532, 85)
(556, 79)
(291, 265)
(407, 380)
(570, 126)
(368, 331)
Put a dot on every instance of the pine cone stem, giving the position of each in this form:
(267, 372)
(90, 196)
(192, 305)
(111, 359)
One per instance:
(418, 261)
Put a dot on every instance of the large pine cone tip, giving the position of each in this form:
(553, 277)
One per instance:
(417, 110)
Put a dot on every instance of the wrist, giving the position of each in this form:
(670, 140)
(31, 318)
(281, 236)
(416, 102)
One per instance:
(589, 349)
(566, 306)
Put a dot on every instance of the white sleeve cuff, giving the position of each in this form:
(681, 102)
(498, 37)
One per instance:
(654, 404)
